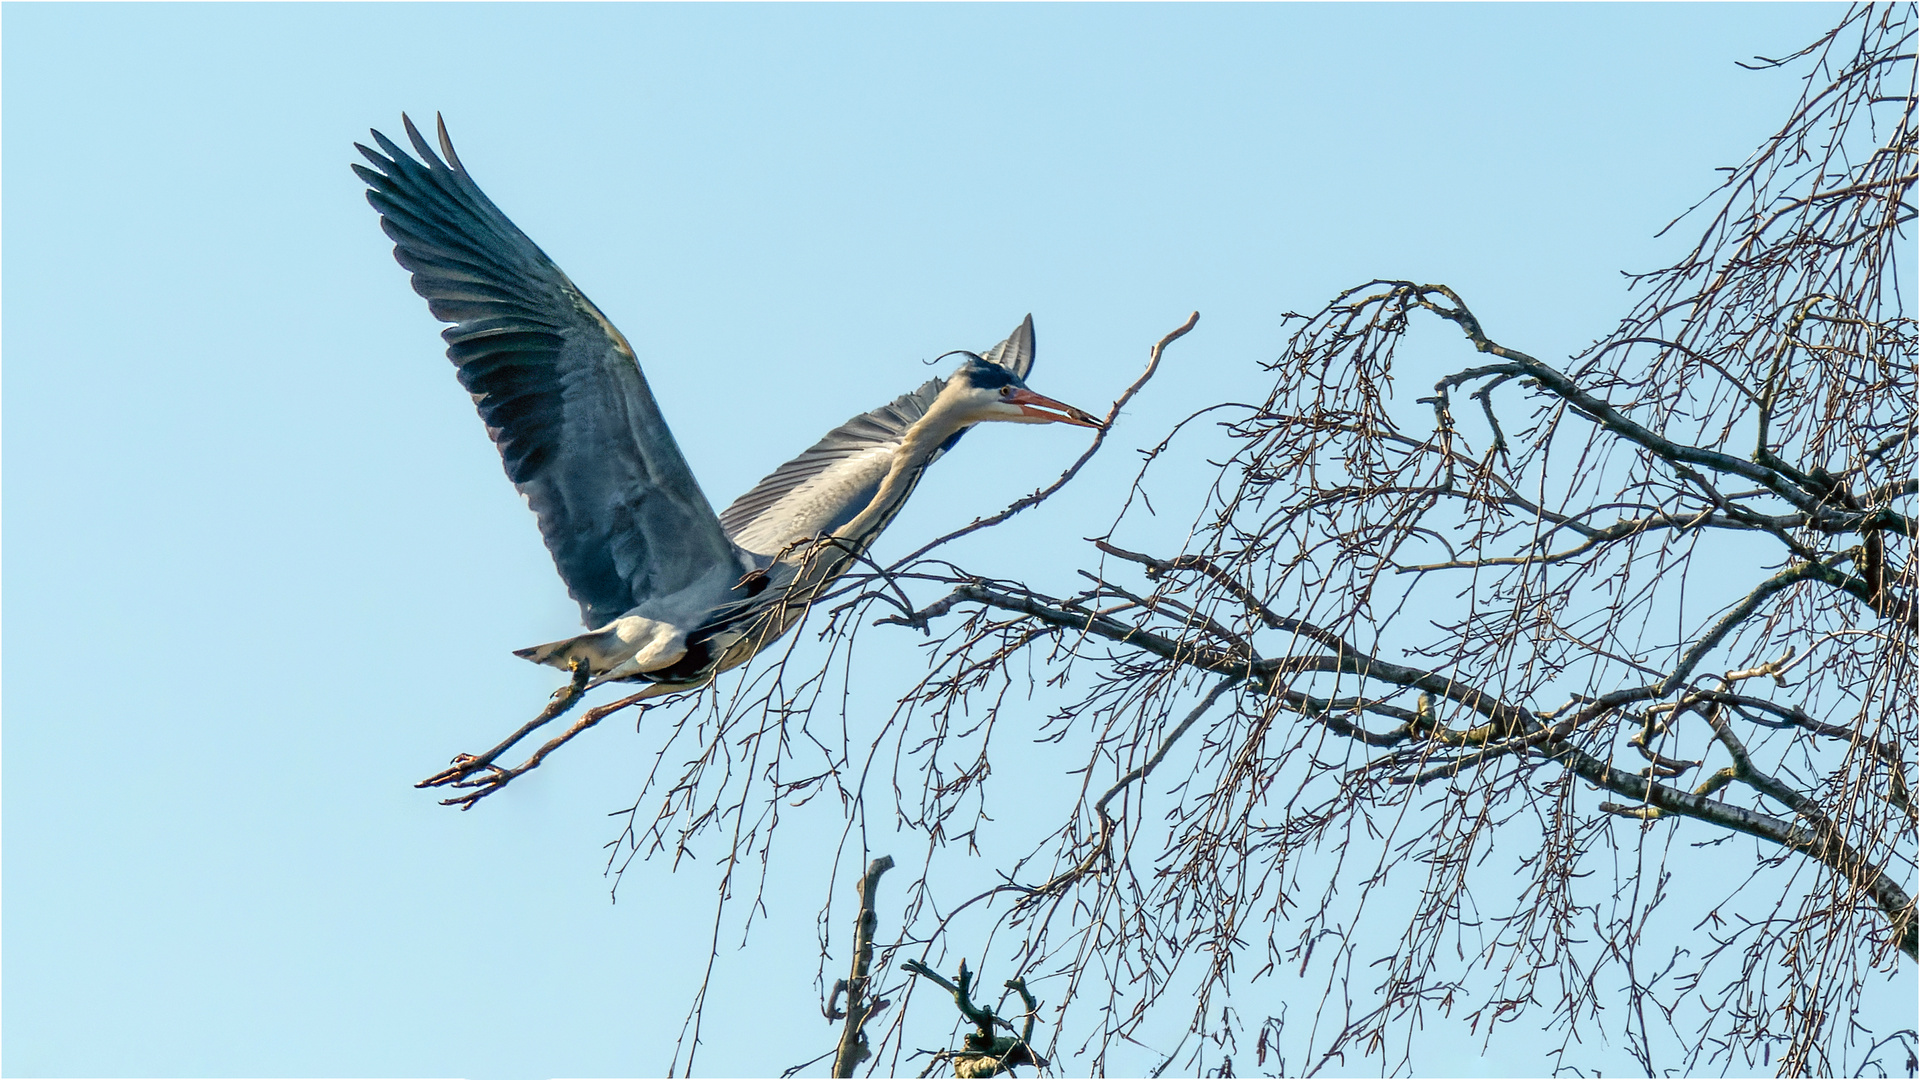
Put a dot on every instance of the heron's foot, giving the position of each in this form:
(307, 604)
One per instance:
(479, 777)
(465, 765)
(482, 786)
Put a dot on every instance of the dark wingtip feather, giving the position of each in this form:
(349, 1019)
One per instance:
(446, 144)
(419, 141)
(395, 155)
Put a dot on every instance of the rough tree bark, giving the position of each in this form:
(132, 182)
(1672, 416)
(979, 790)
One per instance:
(861, 1001)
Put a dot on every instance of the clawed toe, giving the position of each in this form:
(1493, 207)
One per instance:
(464, 765)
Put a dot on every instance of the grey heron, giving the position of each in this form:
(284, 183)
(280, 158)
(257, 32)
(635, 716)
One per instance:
(671, 593)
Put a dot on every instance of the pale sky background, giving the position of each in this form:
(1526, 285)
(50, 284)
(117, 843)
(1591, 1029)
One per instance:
(262, 570)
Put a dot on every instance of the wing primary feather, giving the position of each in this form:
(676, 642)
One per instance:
(446, 144)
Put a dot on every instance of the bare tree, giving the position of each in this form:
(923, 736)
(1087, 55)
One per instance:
(1435, 704)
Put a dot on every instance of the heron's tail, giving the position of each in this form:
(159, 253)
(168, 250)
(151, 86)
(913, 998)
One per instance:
(628, 646)
(602, 650)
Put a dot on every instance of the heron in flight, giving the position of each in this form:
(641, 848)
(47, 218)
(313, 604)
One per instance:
(671, 593)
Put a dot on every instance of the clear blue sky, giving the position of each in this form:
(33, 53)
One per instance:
(262, 571)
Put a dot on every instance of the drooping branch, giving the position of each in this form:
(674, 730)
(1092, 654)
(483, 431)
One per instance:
(1104, 839)
(1823, 842)
(1788, 483)
(1333, 557)
(1513, 728)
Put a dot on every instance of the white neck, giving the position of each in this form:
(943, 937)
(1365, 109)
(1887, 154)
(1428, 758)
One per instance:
(922, 441)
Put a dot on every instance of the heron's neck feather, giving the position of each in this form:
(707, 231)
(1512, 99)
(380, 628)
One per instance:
(921, 442)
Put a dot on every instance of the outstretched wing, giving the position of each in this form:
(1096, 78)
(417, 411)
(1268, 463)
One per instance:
(835, 478)
(1016, 353)
(557, 386)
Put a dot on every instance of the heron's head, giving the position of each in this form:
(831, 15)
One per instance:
(984, 391)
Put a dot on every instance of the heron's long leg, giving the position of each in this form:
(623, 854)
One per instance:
(498, 777)
(563, 699)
